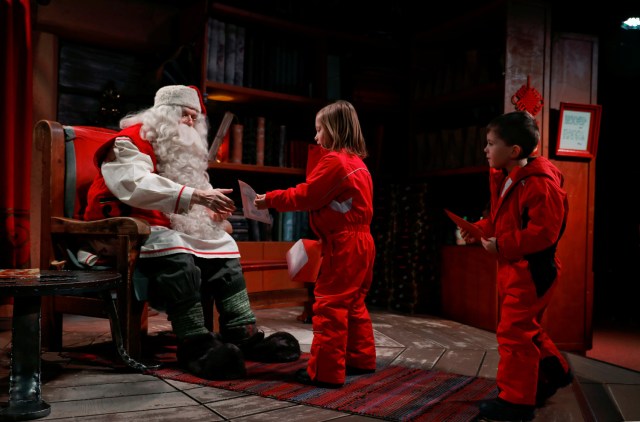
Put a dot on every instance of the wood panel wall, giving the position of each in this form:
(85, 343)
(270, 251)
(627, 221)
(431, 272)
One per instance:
(574, 75)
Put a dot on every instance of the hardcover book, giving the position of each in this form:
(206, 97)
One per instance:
(212, 57)
(236, 144)
(260, 141)
(230, 53)
(221, 39)
(238, 78)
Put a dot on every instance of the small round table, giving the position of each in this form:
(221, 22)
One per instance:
(25, 399)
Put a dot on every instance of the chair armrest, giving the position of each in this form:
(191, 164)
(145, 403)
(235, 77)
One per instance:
(109, 226)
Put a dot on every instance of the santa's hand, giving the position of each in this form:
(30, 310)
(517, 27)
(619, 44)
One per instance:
(222, 220)
(214, 199)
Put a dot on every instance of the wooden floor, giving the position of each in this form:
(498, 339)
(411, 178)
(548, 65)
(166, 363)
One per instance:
(601, 392)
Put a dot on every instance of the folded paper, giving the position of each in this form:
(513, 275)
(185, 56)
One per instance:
(248, 208)
(465, 225)
(304, 260)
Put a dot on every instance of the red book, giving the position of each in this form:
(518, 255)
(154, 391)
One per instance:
(236, 148)
(260, 141)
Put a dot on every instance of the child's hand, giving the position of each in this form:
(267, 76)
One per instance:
(260, 202)
(490, 245)
(468, 238)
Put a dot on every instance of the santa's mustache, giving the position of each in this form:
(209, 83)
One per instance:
(190, 138)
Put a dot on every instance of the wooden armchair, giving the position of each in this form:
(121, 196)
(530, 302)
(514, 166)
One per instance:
(62, 172)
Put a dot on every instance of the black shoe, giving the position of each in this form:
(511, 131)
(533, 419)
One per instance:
(278, 347)
(502, 410)
(302, 376)
(206, 356)
(353, 370)
(551, 377)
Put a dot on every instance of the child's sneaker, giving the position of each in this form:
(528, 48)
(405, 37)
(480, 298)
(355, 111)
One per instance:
(551, 377)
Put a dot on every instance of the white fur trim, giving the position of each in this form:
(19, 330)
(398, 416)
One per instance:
(179, 95)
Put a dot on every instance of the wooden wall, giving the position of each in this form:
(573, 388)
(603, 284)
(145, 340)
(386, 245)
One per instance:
(574, 75)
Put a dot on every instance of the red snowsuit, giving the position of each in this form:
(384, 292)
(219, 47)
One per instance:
(338, 193)
(527, 217)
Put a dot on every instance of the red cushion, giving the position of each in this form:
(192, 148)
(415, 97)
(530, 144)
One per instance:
(82, 143)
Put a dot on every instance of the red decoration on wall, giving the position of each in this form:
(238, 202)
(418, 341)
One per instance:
(528, 99)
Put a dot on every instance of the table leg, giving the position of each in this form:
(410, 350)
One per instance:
(25, 398)
(117, 335)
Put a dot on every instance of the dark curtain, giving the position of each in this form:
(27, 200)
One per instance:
(16, 126)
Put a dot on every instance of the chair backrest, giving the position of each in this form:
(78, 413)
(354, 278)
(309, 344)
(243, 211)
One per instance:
(81, 143)
(62, 172)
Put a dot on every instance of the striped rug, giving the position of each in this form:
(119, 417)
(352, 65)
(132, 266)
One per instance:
(393, 393)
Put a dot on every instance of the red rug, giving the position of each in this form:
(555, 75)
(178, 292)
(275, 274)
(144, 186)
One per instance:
(393, 393)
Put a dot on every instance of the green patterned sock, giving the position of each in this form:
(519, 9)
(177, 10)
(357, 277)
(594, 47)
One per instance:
(189, 323)
(238, 310)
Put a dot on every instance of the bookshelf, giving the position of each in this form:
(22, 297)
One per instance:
(290, 69)
(293, 64)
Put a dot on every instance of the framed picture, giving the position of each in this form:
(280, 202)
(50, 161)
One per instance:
(578, 130)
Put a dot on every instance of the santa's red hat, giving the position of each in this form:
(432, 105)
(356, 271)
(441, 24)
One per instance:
(180, 95)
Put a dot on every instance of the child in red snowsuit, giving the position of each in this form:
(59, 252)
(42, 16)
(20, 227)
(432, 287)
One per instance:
(528, 213)
(338, 193)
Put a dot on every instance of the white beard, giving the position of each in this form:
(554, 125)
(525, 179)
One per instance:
(183, 159)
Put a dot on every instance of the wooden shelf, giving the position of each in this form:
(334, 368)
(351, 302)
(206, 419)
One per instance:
(229, 12)
(252, 168)
(240, 94)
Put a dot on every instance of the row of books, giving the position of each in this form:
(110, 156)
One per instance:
(225, 62)
(261, 141)
(450, 148)
(238, 56)
(286, 227)
(446, 72)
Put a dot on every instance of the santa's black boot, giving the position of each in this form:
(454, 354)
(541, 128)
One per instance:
(278, 347)
(206, 356)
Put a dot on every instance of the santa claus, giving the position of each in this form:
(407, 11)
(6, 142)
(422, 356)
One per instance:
(155, 168)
